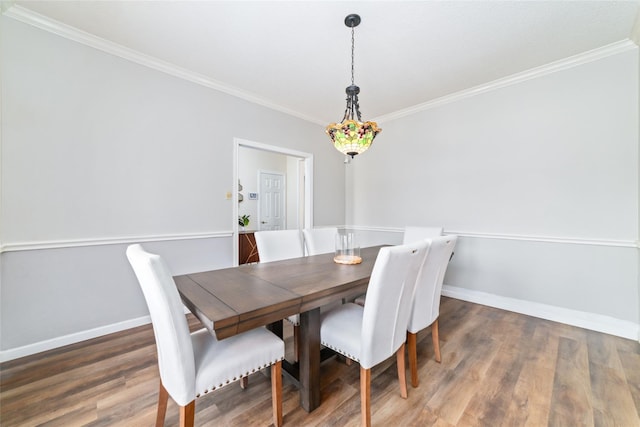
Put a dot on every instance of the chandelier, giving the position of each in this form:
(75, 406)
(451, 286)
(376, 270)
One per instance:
(352, 136)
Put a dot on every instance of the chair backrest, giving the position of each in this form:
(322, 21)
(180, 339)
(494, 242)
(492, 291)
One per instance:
(426, 302)
(413, 234)
(173, 340)
(276, 245)
(389, 297)
(320, 240)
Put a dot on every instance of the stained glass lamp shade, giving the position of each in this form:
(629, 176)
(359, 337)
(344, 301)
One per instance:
(352, 136)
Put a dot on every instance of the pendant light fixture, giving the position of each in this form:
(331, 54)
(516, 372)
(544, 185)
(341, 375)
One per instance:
(352, 136)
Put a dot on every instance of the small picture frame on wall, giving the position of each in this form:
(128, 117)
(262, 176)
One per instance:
(253, 196)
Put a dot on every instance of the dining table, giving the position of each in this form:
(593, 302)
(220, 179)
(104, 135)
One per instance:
(233, 300)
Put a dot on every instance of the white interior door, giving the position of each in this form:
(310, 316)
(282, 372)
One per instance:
(272, 201)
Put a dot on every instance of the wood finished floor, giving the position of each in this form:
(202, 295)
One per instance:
(498, 369)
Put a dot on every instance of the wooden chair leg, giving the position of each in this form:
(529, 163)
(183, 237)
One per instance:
(413, 357)
(402, 376)
(435, 336)
(276, 393)
(187, 414)
(365, 396)
(163, 398)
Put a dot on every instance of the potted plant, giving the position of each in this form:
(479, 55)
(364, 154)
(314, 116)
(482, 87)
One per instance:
(243, 221)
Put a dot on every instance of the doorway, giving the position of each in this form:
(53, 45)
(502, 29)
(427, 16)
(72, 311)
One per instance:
(297, 187)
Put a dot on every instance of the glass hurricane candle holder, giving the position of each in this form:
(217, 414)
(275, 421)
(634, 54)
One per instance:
(347, 249)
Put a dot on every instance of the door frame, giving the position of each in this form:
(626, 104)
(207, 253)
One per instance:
(308, 183)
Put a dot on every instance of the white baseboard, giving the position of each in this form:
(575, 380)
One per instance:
(50, 344)
(28, 350)
(581, 319)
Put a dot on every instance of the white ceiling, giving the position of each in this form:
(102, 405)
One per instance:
(296, 54)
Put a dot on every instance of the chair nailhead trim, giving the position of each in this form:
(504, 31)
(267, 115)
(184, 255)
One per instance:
(342, 352)
(212, 388)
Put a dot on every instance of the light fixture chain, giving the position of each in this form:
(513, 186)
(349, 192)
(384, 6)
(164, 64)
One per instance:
(352, 55)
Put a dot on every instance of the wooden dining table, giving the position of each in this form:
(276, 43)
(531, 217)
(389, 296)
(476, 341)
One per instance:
(234, 300)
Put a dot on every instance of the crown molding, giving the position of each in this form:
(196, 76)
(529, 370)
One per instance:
(635, 31)
(29, 17)
(563, 64)
(5, 5)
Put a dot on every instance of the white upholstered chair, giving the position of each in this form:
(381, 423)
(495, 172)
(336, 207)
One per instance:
(426, 302)
(276, 245)
(320, 240)
(411, 235)
(373, 333)
(192, 364)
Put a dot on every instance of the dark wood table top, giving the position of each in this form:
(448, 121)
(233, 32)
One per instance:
(233, 300)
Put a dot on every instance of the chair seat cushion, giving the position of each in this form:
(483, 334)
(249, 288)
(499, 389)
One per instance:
(341, 330)
(220, 362)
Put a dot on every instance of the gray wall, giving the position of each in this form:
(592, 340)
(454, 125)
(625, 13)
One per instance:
(98, 152)
(540, 178)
